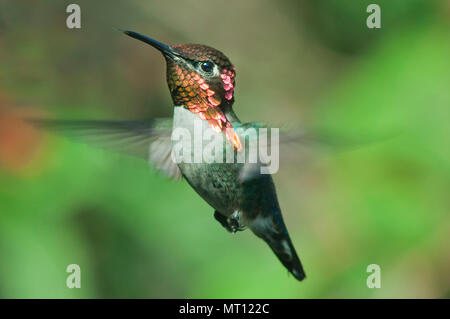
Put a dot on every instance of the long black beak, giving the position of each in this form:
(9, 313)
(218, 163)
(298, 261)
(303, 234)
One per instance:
(164, 48)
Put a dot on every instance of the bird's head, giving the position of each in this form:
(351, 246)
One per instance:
(200, 78)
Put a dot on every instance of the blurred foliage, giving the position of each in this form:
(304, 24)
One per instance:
(311, 63)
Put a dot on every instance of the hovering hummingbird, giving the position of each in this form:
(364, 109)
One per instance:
(201, 81)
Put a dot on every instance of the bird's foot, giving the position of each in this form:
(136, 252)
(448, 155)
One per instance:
(222, 220)
(232, 223)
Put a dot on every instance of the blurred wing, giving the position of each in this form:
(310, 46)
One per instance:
(295, 145)
(276, 144)
(150, 140)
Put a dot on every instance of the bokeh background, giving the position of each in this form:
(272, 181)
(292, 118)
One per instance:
(303, 63)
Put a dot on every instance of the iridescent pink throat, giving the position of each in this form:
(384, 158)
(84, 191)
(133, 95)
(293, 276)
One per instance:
(200, 98)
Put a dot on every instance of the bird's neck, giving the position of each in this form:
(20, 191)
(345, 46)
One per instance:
(230, 114)
(184, 118)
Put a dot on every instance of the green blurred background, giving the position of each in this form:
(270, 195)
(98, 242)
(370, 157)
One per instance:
(302, 63)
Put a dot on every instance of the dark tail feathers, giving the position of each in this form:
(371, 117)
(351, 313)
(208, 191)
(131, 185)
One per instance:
(281, 245)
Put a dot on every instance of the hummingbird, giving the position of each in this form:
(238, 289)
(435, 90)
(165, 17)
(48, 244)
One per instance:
(201, 81)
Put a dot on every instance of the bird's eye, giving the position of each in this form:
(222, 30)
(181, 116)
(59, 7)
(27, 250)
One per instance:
(207, 66)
